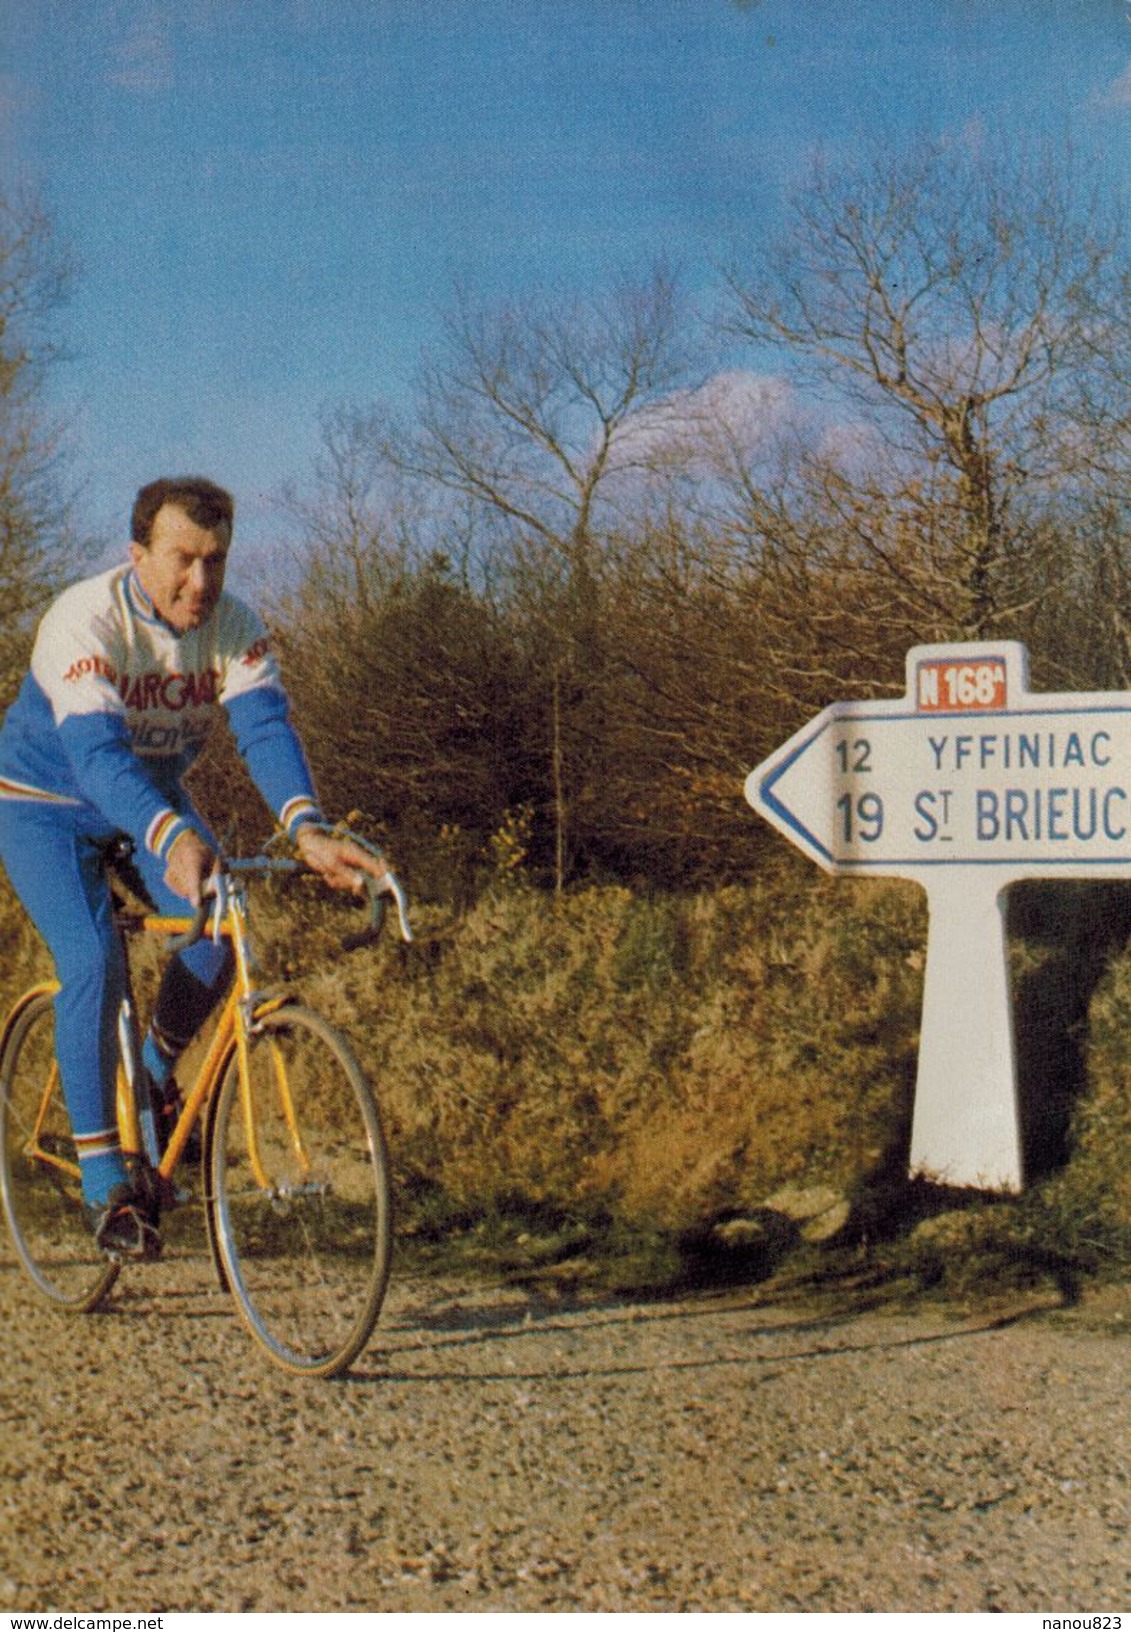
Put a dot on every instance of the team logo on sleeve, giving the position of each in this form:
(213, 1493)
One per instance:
(94, 666)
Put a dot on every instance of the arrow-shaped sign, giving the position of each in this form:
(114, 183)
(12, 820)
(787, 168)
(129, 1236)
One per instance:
(967, 784)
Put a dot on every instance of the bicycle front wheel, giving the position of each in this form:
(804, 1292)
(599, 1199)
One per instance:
(300, 1193)
(39, 1170)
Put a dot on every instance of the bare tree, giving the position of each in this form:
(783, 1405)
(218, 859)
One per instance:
(38, 543)
(953, 462)
(961, 303)
(385, 607)
(536, 415)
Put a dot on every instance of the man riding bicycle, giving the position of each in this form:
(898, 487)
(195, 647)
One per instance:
(128, 673)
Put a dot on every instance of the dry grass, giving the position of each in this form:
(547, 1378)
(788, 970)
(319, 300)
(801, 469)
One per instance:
(659, 1062)
(656, 1058)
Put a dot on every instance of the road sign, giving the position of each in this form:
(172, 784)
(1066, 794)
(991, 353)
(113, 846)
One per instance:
(965, 785)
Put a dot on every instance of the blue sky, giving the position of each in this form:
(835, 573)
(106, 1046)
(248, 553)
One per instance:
(272, 200)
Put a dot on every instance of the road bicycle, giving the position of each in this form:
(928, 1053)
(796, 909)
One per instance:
(293, 1168)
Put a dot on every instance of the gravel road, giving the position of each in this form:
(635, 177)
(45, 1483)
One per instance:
(497, 1450)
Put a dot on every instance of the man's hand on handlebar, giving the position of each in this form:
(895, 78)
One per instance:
(189, 867)
(338, 859)
(343, 862)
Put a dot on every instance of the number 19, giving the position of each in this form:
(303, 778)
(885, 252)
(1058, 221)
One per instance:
(863, 817)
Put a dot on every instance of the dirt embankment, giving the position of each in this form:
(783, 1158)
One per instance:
(495, 1451)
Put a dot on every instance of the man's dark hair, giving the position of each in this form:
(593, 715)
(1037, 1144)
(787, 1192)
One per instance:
(205, 504)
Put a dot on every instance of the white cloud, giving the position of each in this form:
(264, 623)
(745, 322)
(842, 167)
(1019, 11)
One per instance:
(735, 408)
(748, 407)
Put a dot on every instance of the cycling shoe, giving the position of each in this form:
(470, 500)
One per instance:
(123, 1225)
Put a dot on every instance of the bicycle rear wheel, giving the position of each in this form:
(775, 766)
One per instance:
(301, 1211)
(39, 1171)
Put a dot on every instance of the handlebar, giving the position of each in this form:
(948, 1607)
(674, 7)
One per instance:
(190, 936)
(378, 892)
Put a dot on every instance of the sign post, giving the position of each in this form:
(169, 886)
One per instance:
(967, 784)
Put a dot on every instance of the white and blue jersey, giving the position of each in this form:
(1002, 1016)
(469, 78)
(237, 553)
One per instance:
(114, 711)
(118, 705)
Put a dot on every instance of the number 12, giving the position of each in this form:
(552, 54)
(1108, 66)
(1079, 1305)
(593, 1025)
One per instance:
(861, 757)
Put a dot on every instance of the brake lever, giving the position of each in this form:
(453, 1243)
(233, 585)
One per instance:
(378, 892)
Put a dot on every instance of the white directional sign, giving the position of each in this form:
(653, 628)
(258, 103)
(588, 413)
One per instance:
(967, 784)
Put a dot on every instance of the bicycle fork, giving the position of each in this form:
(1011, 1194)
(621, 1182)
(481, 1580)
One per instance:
(245, 1029)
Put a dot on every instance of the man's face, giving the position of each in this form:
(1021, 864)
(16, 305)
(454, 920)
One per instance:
(182, 570)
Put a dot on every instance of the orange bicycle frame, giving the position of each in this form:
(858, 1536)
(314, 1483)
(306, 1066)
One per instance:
(235, 1018)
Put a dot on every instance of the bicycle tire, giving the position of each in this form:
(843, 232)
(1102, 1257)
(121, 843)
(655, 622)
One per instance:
(305, 1245)
(39, 1177)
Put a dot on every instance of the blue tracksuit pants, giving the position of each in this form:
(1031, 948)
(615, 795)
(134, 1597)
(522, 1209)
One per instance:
(52, 859)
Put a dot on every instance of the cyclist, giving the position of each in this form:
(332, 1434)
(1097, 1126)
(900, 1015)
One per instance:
(128, 672)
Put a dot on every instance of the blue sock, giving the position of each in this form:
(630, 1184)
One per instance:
(101, 1164)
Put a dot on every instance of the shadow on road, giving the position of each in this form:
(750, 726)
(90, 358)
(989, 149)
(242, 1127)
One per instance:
(499, 1328)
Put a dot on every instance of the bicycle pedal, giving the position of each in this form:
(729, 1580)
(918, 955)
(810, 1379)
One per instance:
(150, 1247)
(148, 1253)
(123, 1232)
